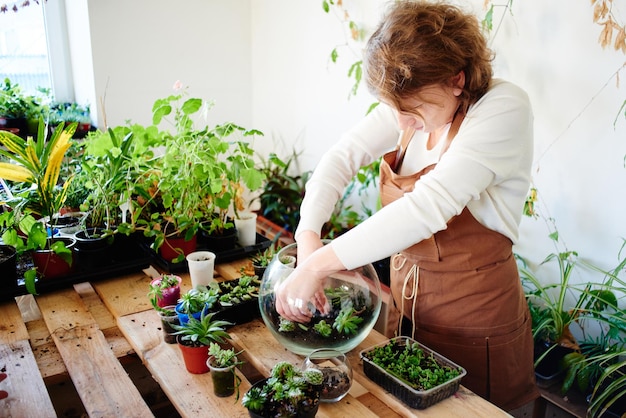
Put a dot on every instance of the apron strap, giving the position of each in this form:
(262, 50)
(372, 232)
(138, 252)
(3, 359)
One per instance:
(401, 146)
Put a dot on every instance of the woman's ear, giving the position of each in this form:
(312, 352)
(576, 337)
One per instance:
(458, 82)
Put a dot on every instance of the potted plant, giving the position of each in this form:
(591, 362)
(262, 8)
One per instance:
(417, 375)
(222, 363)
(194, 337)
(262, 258)
(35, 165)
(165, 290)
(552, 315)
(13, 107)
(239, 299)
(288, 392)
(196, 301)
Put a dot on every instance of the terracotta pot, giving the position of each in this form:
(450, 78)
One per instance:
(195, 358)
(50, 265)
(174, 246)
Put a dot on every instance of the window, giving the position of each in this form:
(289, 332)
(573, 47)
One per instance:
(23, 47)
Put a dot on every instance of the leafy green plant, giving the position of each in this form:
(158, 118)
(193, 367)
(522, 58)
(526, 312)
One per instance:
(411, 364)
(225, 358)
(262, 258)
(203, 331)
(323, 328)
(13, 102)
(234, 292)
(156, 290)
(283, 191)
(196, 299)
(347, 321)
(288, 392)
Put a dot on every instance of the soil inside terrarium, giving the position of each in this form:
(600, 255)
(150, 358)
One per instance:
(336, 383)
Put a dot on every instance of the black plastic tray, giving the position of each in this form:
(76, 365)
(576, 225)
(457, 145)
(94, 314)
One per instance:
(122, 259)
(220, 256)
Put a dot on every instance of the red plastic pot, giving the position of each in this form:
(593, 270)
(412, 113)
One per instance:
(195, 357)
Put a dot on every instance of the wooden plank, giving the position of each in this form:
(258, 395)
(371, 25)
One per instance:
(230, 271)
(12, 327)
(28, 396)
(102, 383)
(125, 295)
(64, 309)
(142, 330)
(192, 395)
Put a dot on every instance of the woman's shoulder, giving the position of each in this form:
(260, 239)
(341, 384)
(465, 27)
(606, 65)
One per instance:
(499, 87)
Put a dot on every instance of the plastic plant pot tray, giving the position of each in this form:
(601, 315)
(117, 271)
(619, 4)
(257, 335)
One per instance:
(419, 399)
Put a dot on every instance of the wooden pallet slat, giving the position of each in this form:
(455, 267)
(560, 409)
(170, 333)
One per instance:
(102, 383)
(28, 396)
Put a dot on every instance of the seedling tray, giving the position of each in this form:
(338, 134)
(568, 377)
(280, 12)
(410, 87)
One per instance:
(414, 398)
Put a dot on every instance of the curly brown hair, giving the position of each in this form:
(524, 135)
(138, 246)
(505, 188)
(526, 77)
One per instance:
(422, 43)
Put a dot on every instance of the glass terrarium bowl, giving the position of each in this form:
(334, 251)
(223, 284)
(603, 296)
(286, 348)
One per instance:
(354, 297)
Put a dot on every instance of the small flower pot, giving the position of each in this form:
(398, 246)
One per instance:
(195, 358)
(170, 295)
(223, 379)
(201, 264)
(184, 317)
(168, 318)
(246, 228)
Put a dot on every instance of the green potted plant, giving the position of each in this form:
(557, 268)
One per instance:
(197, 301)
(288, 392)
(165, 290)
(13, 107)
(222, 363)
(552, 315)
(194, 338)
(70, 112)
(239, 299)
(261, 259)
(419, 376)
(35, 164)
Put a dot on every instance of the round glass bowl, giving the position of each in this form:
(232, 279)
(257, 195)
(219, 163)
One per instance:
(355, 299)
(337, 372)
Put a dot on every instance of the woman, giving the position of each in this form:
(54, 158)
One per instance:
(452, 187)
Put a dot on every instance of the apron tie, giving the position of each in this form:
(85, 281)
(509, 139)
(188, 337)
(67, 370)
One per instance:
(398, 261)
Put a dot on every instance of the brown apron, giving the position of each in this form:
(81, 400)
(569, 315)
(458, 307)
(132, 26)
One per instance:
(461, 290)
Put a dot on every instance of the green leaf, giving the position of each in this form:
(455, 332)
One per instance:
(325, 6)
(191, 106)
(334, 55)
(29, 281)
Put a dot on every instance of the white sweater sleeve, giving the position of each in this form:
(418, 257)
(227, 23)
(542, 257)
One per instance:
(486, 168)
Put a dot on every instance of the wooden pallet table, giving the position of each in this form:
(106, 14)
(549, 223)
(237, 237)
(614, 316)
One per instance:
(85, 331)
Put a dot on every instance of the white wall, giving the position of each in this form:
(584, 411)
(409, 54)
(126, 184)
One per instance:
(141, 48)
(266, 62)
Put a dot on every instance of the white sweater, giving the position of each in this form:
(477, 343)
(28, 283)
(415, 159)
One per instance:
(486, 169)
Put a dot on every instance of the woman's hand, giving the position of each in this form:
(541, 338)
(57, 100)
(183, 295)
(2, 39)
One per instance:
(302, 293)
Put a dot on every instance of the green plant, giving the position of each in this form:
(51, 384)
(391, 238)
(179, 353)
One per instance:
(262, 258)
(234, 292)
(409, 363)
(196, 299)
(225, 358)
(347, 321)
(283, 191)
(200, 177)
(156, 289)
(203, 331)
(288, 392)
(13, 103)
(35, 165)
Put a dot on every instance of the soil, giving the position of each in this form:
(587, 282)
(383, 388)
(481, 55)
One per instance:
(336, 383)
